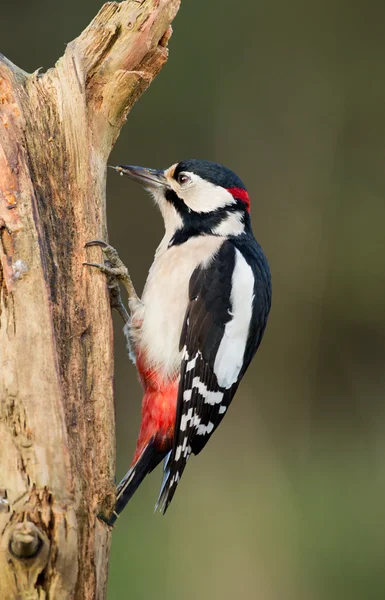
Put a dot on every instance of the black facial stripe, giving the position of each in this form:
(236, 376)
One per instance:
(195, 223)
(179, 204)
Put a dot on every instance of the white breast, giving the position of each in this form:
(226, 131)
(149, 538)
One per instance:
(165, 299)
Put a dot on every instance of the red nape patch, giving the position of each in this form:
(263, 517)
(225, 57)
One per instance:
(242, 195)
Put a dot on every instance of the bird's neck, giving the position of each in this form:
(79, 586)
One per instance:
(222, 223)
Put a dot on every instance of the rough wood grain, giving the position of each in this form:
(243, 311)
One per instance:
(57, 451)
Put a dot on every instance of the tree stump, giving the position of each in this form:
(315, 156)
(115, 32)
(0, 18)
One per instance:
(57, 430)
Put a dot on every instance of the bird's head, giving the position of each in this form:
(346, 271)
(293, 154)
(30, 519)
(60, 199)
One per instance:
(196, 197)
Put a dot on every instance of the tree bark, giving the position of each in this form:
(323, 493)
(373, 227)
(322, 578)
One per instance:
(57, 430)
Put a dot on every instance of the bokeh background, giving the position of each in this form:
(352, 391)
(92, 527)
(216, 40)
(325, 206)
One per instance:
(288, 499)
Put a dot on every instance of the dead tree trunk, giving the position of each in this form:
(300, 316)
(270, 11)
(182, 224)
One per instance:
(57, 439)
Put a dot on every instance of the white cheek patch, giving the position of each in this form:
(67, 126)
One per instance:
(201, 195)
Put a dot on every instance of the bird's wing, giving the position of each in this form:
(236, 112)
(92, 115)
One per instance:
(229, 301)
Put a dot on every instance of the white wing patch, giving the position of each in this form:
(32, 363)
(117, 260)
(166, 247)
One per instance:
(229, 358)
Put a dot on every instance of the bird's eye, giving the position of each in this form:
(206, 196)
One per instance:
(183, 178)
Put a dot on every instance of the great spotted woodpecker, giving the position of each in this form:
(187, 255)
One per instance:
(200, 320)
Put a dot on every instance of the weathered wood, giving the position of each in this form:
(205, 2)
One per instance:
(57, 450)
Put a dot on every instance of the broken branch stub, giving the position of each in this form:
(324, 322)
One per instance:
(57, 455)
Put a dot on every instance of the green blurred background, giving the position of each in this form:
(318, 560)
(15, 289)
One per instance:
(288, 499)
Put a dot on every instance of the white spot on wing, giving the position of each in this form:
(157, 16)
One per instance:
(191, 364)
(210, 397)
(190, 416)
(222, 409)
(229, 358)
(185, 419)
(205, 429)
(182, 448)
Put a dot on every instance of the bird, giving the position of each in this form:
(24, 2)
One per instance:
(199, 321)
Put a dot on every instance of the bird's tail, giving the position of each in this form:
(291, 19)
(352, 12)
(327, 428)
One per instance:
(147, 461)
(165, 483)
(172, 471)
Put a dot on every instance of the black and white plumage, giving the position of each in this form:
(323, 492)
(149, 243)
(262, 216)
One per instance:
(201, 317)
(229, 303)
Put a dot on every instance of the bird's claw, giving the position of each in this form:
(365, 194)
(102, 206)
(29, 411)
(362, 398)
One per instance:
(113, 266)
(101, 243)
(115, 271)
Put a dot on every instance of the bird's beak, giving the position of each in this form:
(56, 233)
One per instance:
(149, 178)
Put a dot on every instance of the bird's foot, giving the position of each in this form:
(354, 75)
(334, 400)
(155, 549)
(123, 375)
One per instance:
(112, 266)
(115, 271)
(115, 296)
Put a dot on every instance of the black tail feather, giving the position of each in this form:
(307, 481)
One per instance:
(147, 461)
(165, 482)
